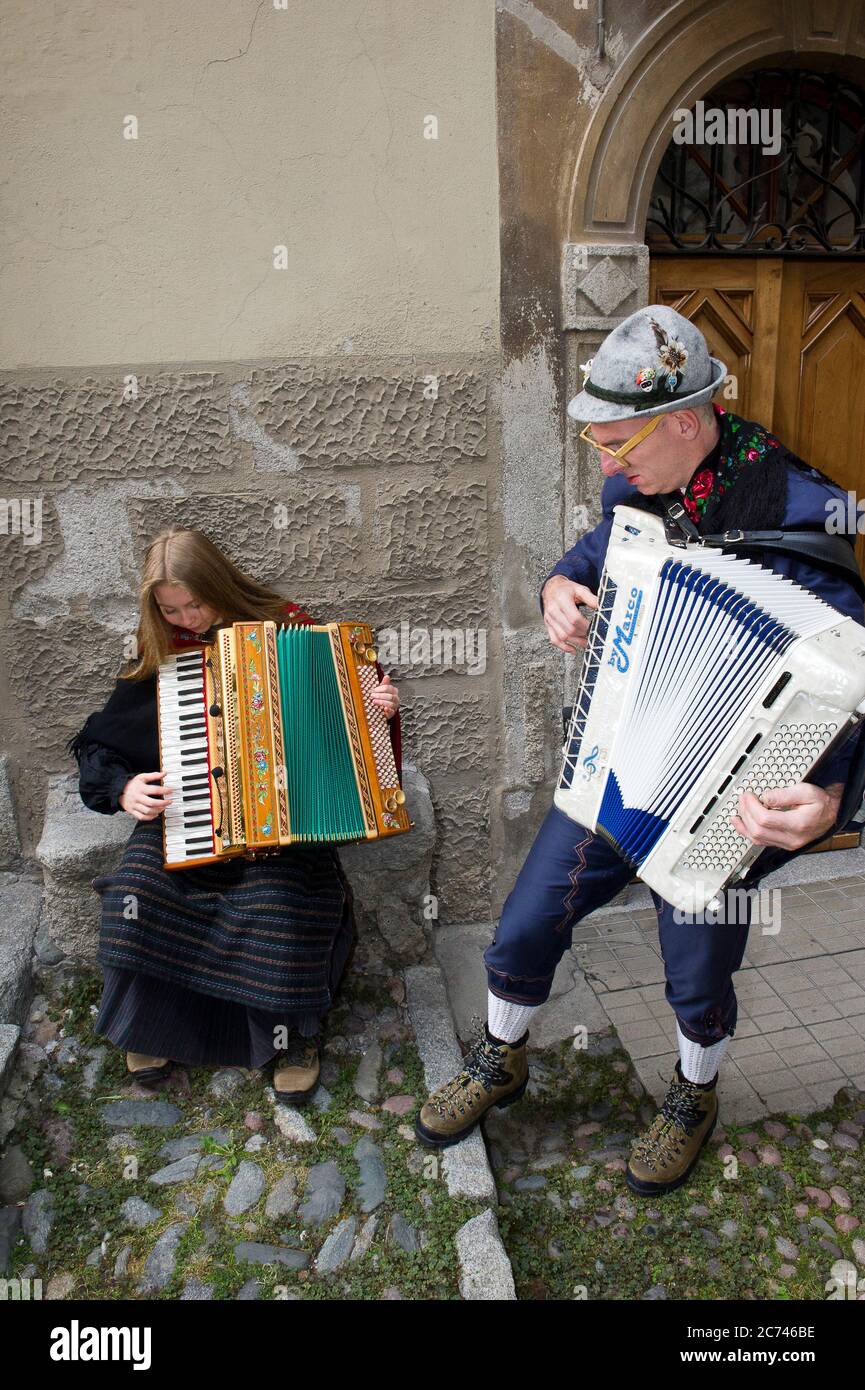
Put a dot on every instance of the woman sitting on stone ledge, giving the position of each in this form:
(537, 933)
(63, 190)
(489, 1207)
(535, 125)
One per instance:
(217, 964)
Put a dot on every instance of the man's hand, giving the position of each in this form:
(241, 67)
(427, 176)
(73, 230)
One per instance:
(565, 623)
(788, 817)
(144, 796)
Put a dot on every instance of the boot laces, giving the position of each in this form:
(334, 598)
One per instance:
(483, 1063)
(679, 1116)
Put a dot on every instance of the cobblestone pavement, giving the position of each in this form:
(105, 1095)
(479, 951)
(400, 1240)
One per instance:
(772, 1211)
(208, 1189)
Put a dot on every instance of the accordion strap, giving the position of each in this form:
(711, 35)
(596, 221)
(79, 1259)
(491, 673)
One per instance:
(830, 552)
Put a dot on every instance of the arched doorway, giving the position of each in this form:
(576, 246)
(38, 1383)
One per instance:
(765, 250)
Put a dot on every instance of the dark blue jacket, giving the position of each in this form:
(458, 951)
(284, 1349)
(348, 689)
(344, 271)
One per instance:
(807, 500)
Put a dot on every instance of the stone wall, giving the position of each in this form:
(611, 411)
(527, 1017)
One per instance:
(357, 492)
(461, 198)
(254, 280)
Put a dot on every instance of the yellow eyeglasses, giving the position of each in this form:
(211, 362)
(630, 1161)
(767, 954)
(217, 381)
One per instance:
(629, 444)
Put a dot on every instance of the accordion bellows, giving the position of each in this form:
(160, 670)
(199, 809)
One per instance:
(704, 675)
(269, 736)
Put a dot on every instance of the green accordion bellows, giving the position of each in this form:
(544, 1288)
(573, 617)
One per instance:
(320, 780)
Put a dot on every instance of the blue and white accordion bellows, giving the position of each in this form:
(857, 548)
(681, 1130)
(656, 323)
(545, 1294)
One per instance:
(704, 675)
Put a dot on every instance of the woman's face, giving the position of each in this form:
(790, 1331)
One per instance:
(179, 608)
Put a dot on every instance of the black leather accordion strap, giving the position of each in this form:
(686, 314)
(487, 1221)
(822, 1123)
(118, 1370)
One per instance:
(829, 552)
(832, 553)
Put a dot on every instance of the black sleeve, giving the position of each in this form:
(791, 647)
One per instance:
(116, 743)
(102, 775)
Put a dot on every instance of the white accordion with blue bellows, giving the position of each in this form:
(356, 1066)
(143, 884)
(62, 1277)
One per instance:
(704, 675)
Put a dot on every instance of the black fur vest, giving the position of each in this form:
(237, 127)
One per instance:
(755, 500)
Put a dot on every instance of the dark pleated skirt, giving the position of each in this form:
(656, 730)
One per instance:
(142, 1014)
(203, 965)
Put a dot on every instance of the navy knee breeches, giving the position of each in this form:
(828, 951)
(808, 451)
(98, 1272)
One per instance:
(570, 871)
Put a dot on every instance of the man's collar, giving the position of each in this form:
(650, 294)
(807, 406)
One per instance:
(711, 459)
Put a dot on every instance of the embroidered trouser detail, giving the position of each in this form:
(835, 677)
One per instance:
(569, 872)
(572, 898)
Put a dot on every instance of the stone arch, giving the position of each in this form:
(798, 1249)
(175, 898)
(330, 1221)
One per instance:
(687, 52)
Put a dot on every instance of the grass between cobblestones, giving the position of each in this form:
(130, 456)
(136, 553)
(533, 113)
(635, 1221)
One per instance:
(62, 1131)
(571, 1227)
(586, 1235)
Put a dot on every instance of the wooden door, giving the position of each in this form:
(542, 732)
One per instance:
(736, 306)
(792, 334)
(820, 385)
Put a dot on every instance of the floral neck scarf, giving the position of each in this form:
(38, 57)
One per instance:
(741, 442)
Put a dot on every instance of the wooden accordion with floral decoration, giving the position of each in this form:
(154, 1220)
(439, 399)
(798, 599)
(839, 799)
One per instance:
(269, 736)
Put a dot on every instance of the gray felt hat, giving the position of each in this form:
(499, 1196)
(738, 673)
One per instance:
(655, 361)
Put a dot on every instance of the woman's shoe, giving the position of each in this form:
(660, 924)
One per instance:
(146, 1071)
(296, 1070)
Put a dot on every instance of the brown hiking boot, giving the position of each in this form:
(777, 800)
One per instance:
(662, 1158)
(494, 1073)
(296, 1070)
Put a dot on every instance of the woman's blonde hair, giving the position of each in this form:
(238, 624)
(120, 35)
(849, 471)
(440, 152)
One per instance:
(183, 556)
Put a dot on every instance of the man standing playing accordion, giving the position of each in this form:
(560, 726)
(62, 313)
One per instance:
(646, 401)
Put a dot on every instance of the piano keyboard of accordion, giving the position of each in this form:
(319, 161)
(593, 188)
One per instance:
(269, 736)
(704, 675)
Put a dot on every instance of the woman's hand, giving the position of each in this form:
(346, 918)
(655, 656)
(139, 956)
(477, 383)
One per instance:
(788, 817)
(144, 796)
(386, 697)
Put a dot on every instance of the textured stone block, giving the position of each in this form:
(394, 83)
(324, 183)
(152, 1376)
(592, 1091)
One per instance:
(23, 562)
(76, 846)
(459, 950)
(20, 900)
(533, 679)
(9, 1036)
(58, 673)
(461, 868)
(432, 633)
(58, 431)
(602, 284)
(432, 531)
(391, 878)
(329, 415)
(449, 734)
(289, 537)
(9, 846)
(96, 571)
(485, 1270)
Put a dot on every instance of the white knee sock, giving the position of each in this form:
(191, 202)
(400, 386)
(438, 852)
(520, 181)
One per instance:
(506, 1020)
(699, 1063)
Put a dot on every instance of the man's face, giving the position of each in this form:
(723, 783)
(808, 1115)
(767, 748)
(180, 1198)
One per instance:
(659, 463)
